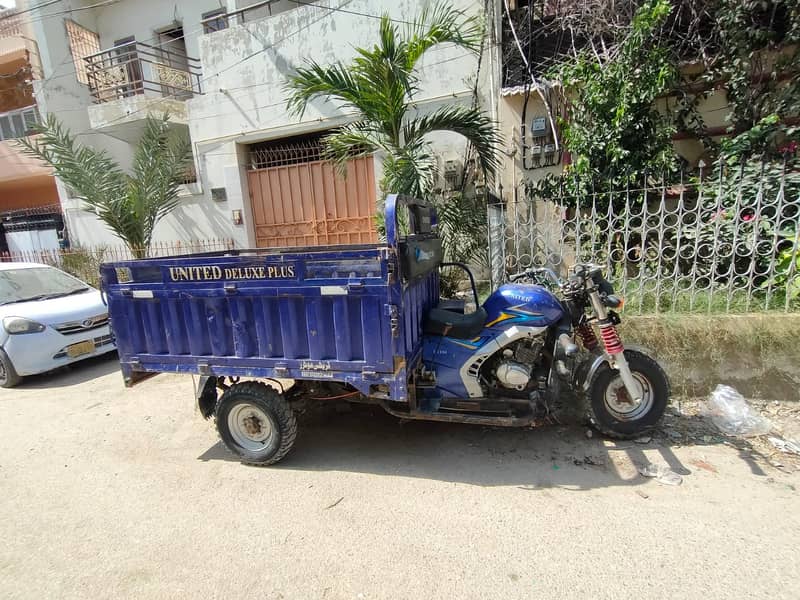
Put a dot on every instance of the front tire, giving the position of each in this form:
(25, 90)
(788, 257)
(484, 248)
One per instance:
(613, 412)
(256, 423)
(8, 376)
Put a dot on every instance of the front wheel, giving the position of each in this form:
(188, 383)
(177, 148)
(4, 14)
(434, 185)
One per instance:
(256, 423)
(8, 376)
(613, 412)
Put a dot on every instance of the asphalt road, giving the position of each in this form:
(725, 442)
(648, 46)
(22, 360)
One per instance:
(114, 493)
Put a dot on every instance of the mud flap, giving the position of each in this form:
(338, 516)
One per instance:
(206, 395)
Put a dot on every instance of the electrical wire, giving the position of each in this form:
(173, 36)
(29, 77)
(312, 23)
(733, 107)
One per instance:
(240, 61)
(354, 12)
(536, 84)
(154, 38)
(244, 59)
(283, 102)
(47, 80)
(44, 16)
(29, 9)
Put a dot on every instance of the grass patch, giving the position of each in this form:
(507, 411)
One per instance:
(721, 300)
(758, 354)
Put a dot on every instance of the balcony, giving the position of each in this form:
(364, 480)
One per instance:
(132, 80)
(219, 19)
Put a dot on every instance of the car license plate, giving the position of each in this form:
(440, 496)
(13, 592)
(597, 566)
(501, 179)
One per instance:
(80, 348)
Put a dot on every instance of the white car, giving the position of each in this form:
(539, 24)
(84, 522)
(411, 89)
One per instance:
(48, 319)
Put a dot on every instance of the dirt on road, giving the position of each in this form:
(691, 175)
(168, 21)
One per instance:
(114, 493)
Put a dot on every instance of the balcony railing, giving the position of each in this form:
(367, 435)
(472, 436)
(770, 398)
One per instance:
(136, 68)
(217, 20)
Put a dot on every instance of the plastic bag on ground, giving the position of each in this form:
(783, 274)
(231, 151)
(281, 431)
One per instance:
(731, 413)
(661, 473)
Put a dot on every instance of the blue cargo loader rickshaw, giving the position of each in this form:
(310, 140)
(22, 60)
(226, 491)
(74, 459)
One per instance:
(266, 329)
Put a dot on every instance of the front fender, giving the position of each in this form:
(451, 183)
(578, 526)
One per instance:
(593, 364)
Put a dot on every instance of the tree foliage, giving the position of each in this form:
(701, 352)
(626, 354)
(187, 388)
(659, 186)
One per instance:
(613, 129)
(379, 86)
(758, 59)
(129, 204)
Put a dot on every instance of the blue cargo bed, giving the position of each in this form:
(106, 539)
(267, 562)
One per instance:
(340, 313)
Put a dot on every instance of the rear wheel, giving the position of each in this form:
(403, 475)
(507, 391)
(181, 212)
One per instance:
(8, 376)
(613, 412)
(256, 423)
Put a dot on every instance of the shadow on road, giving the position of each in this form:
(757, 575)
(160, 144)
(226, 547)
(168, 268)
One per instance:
(74, 374)
(367, 440)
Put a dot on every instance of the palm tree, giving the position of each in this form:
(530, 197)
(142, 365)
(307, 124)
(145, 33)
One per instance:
(380, 84)
(130, 205)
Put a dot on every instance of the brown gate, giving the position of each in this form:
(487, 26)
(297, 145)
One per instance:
(307, 204)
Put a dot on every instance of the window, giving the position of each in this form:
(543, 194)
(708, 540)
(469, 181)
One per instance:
(16, 124)
(214, 20)
(82, 42)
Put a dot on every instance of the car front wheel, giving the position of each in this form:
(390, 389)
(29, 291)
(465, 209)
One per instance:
(8, 376)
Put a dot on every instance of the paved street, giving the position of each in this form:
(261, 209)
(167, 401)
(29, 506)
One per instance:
(115, 493)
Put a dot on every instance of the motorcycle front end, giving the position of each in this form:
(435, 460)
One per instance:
(626, 389)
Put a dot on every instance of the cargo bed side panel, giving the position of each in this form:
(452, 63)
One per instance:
(317, 312)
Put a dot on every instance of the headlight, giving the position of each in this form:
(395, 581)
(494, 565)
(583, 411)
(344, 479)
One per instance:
(14, 325)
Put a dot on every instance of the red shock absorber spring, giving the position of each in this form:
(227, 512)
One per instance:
(586, 333)
(611, 338)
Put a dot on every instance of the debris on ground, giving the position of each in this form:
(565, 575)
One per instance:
(731, 413)
(705, 465)
(642, 494)
(686, 422)
(788, 446)
(644, 439)
(335, 503)
(662, 474)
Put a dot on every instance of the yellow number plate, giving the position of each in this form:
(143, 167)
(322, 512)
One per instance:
(80, 348)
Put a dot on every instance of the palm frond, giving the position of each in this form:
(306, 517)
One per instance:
(130, 206)
(440, 23)
(469, 122)
(159, 167)
(94, 176)
(353, 140)
(314, 80)
(380, 83)
(410, 170)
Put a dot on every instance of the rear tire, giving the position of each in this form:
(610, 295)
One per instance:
(255, 423)
(8, 376)
(611, 410)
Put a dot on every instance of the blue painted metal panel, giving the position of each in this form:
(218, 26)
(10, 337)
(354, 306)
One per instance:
(305, 313)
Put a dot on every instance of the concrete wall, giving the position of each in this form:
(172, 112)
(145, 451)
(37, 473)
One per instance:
(757, 354)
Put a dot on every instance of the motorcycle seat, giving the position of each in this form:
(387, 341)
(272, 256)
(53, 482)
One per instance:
(452, 324)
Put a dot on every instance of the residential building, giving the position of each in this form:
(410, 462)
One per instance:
(219, 70)
(534, 39)
(30, 214)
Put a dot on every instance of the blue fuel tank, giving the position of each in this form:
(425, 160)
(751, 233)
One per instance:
(530, 305)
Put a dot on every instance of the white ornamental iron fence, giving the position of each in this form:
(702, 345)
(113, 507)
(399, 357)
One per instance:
(724, 238)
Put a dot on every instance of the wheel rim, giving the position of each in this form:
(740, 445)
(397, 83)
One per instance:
(619, 403)
(251, 427)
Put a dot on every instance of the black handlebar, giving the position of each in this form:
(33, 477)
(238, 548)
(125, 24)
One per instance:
(534, 272)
